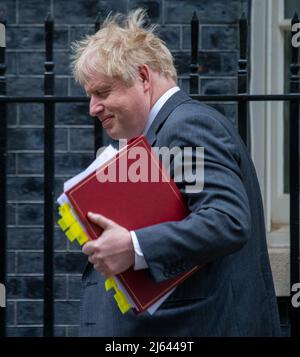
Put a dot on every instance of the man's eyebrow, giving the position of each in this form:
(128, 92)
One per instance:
(100, 89)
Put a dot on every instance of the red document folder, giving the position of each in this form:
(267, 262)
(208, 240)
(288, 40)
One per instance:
(133, 205)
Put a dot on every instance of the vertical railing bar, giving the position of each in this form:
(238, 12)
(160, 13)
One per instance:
(3, 180)
(194, 77)
(243, 80)
(294, 184)
(49, 121)
(97, 125)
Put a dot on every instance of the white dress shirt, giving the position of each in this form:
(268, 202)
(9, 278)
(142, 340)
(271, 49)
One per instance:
(140, 262)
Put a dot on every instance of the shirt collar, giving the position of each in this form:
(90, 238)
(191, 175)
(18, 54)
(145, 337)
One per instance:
(158, 105)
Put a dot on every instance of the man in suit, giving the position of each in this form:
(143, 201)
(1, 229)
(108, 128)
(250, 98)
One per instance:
(129, 75)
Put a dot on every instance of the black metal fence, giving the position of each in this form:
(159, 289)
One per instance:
(49, 99)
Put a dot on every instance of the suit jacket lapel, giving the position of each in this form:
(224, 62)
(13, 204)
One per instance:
(173, 102)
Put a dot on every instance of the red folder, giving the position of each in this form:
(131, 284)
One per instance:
(133, 205)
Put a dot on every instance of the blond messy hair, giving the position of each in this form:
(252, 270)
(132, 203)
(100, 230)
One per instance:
(119, 48)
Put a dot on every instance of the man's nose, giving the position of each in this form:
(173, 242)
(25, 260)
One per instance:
(95, 106)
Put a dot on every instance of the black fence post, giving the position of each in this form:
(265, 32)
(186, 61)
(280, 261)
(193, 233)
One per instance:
(3, 156)
(194, 77)
(49, 121)
(97, 124)
(294, 184)
(243, 81)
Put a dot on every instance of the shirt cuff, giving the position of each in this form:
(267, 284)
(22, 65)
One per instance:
(139, 261)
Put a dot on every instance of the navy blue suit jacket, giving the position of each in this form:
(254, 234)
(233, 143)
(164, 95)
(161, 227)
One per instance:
(233, 295)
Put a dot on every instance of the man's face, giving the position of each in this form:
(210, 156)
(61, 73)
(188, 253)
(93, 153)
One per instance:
(123, 111)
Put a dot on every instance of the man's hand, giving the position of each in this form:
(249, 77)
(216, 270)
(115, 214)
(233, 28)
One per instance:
(113, 252)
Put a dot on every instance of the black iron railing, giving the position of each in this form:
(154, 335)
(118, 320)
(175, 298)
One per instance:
(49, 100)
(3, 171)
(49, 115)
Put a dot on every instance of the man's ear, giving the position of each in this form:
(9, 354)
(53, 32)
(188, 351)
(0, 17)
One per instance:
(145, 76)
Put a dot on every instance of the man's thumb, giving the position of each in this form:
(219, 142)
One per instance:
(100, 220)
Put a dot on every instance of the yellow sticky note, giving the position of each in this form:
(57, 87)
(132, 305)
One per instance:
(64, 208)
(110, 283)
(123, 304)
(82, 238)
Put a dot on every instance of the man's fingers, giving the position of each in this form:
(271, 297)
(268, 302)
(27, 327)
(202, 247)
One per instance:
(103, 270)
(102, 221)
(88, 248)
(91, 259)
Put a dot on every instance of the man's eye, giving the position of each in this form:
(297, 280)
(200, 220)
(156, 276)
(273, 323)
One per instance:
(102, 94)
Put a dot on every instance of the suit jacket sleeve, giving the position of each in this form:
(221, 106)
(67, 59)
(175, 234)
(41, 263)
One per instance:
(219, 220)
